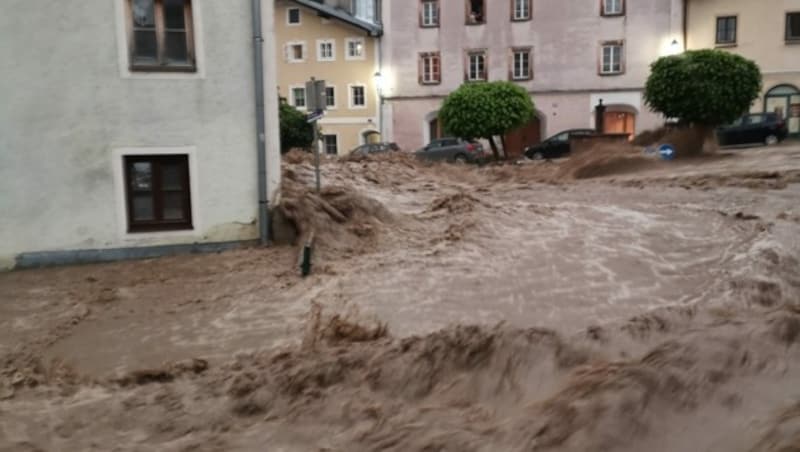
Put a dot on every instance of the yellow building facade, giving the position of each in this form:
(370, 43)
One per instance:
(342, 50)
(765, 31)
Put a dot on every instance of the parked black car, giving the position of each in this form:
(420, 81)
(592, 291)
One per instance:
(374, 148)
(555, 146)
(453, 150)
(765, 128)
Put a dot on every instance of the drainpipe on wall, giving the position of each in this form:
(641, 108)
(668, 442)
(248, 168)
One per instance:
(685, 24)
(261, 139)
(379, 17)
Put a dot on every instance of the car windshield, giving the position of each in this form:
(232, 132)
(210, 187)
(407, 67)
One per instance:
(560, 138)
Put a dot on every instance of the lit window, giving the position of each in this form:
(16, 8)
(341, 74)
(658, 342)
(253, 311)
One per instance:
(355, 49)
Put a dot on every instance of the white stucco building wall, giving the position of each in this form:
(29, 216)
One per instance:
(70, 110)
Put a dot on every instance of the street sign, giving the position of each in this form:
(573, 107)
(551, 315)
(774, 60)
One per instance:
(316, 98)
(314, 116)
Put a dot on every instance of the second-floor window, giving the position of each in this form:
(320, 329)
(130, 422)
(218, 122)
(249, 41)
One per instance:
(326, 50)
(296, 52)
(726, 30)
(521, 64)
(612, 7)
(611, 61)
(330, 96)
(520, 9)
(430, 70)
(358, 96)
(355, 49)
(299, 97)
(293, 16)
(476, 66)
(476, 12)
(793, 27)
(161, 35)
(429, 16)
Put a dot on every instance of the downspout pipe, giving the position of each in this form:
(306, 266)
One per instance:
(261, 139)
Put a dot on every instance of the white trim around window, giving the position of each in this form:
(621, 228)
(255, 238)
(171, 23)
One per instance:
(326, 50)
(352, 94)
(520, 10)
(612, 58)
(121, 200)
(325, 143)
(289, 51)
(349, 49)
(289, 22)
(335, 96)
(293, 99)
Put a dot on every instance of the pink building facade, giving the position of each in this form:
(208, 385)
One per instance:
(578, 52)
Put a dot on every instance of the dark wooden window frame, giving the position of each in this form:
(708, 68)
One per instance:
(437, 4)
(719, 43)
(336, 143)
(621, 44)
(162, 65)
(438, 79)
(468, 8)
(513, 11)
(512, 63)
(467, 63)
(158, 223)
(789, 38)
(619, 14)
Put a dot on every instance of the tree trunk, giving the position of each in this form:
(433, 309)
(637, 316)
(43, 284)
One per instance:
(505, 148)
(494, 149)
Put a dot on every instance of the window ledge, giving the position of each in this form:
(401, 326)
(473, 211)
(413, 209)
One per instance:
(613, 15)
(723, 45)
(610, 74)
(793, 41)
(139, 69)
(429, 26)
(521, 79)
(473, 24)
(430, 83)
(526, 19)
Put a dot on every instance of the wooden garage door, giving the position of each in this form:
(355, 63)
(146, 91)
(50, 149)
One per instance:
(528, 135)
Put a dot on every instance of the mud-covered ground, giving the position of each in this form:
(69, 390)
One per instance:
(508, 308)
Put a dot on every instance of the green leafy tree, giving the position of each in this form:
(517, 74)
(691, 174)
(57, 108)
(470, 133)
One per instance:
(296, 132)
(486, 110)
(703, 88)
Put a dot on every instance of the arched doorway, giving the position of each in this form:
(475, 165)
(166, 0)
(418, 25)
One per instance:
(620, 119)
(528, 135)
(370, 136)
(784, 100)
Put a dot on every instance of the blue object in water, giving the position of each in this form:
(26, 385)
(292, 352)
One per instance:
(667, 152)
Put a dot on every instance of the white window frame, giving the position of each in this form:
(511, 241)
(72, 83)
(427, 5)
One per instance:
(348, 56)
(351, 98)
(290, 54)
(335, 97)
(514, 74)
(616, 12)
(430, 13)
(620, 46)
(320, 43)
(299, 22)
(325, 145)
(521, 6)
(118, 170)
(483, 75)
(293, 99)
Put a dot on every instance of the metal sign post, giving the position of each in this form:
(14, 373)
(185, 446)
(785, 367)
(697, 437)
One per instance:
(316, 103)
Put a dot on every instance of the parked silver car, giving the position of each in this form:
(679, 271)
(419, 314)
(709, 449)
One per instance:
(453, 150)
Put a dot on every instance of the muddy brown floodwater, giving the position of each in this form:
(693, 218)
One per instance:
(507, 308)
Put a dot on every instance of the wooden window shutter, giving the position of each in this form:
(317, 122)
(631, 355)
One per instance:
(421, 69)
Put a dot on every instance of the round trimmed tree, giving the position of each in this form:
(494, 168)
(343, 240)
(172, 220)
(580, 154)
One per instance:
(486, 110)
(296, 132)
(703, 88)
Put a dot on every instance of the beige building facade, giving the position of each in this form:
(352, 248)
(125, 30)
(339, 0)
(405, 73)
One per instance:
(340, 49)
(767, 32)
